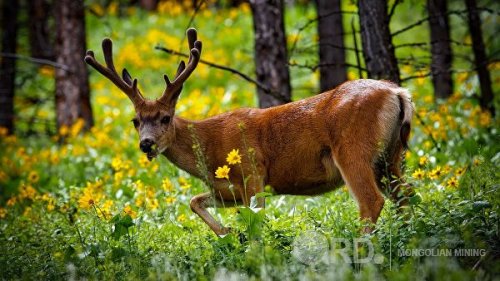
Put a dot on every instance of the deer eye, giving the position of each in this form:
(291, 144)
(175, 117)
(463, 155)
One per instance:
(165, 119)
(136, 122)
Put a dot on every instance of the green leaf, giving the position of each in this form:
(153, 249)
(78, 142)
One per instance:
(479, 205)
(252, 220)
(115, 219)
(126, 221)
(119, 231)
(263, 195)
(415, 199)
(68, 254)
(117, 254)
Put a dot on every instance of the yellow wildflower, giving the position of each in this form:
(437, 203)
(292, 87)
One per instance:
(443, 109)
(423, 160)
(87, 200)
(47, 71)
(485, 118)
(105, 209)
(117, 163)
(170, 199)
(140, 186)
(418, 174)
(452, 182)
(139, 201)
(95, 186)
(12, 201)
(184, 183)
(112, 8)
(27, 192)
(428, 145)
(436, 173)
(3, 213)
(129, 211)
(154, 167)
(460, 171)
(91, 195)
(234, 157)
(97, 9)
(3, 131)
(118, 177)
(51, 206)
(446, 169)
(222, 172)
(181, 218)
(167, 185)
(150, 193)
(50, 201)
(27, 212)
(33, 177)
(3, 176)
(143, 161)
(476, 161)
(63, 131)
(153, 204)
(77, 127)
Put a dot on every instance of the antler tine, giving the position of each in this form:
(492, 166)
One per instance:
(183, 72)
(192, 37)
(126, 84)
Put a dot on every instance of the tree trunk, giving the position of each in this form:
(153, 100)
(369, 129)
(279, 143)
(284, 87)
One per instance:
(8, 65)
(378, 50)
(72, 87)
(40, 37)
(481, 60)
(331, 44)
(271, 58)
(440, 48)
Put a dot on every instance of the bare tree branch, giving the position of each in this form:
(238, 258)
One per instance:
(311, 21)
(222, 67)
(454, 12)
(316, 66)
(393, 9)
(37, 61)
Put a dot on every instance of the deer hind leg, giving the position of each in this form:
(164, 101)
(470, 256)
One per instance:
(199, 205)
(360, 179)
(400, 191)
(254, 186)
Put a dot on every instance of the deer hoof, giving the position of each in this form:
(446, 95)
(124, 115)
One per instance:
(223, 231)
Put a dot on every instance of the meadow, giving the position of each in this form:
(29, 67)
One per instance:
(89, 205)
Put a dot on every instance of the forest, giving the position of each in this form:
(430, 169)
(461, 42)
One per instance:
(84, 196)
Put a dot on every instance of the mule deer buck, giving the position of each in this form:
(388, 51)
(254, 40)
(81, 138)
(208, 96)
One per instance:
(354, 134)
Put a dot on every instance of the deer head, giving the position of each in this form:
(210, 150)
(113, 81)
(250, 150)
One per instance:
(154, 118)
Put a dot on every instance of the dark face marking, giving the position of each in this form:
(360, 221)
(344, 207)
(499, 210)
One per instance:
(152, 119)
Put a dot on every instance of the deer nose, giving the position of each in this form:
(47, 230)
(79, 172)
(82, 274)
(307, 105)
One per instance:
(146, 145)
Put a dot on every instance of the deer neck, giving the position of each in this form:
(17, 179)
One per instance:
(181, 152)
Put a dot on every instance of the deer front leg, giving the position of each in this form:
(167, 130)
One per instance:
(199, 205)
(255, 186)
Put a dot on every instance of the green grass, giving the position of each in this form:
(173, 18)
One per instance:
(141, 226)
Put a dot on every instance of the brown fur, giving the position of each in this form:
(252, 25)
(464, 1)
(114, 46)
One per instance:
(306, 147)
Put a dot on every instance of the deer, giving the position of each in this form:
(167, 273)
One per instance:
(354, 135)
